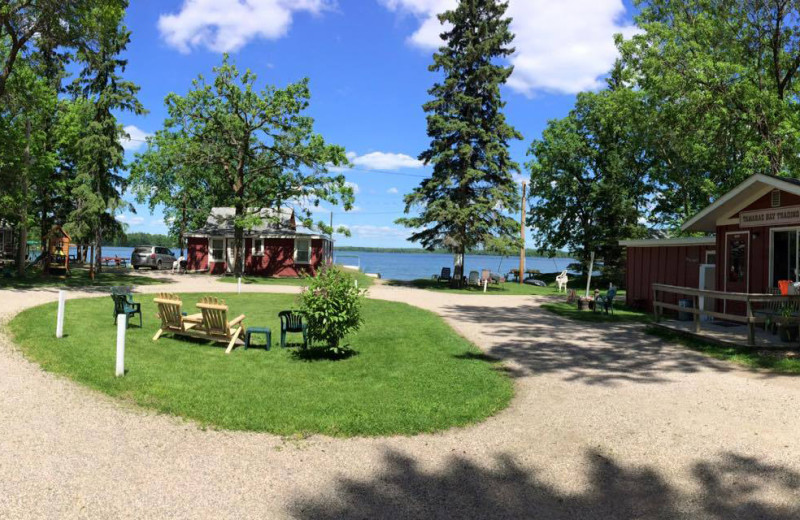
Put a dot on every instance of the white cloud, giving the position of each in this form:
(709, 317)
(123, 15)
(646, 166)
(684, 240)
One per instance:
(384, 161)
(135, 140)
(563, 46)
(131, 220)
(354, 186)
(228, 25)
(393, 190)
(369, 231)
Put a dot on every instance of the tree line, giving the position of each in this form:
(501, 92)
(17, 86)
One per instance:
(142, 239)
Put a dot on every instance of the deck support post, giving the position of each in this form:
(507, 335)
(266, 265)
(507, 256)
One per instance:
(656, 309)
(696, 314)
(751, 326)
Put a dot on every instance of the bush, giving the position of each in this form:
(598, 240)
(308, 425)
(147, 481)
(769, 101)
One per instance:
(331, 305)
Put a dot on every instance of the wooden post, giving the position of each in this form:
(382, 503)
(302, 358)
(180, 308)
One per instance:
(751, 325)
(522, 237)
(60, 315)
(589, 274)
(122, 325)
(697, 314)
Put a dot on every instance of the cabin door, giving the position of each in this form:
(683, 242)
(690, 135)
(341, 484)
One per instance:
(737, 268)
(230, 255)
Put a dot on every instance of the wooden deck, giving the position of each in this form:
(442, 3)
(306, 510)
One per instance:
(726, 334)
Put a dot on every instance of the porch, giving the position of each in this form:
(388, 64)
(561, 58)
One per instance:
(745, 319)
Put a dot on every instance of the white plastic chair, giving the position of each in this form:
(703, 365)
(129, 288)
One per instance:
(562, 280)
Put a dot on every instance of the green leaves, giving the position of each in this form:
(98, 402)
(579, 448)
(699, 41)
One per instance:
(466, 201)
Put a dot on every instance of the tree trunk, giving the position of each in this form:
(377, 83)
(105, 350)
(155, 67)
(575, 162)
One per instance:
(238, 244)
(22, 247)
(182, 230)
(98, 249)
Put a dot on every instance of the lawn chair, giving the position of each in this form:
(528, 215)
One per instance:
(124, 304)
(215, 324)
(490, 277)
(770, 311)
(172, 319)
(606, 301)
(562, 280)
(445, 276)
(293, 322)
(474, 279)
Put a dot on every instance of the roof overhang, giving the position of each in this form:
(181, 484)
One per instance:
(725, 207)
(670, 242)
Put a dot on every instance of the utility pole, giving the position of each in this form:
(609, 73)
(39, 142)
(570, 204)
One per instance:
(522, 237)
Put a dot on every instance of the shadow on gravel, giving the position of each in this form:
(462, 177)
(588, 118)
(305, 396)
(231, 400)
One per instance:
(594, 353)
(728, 488)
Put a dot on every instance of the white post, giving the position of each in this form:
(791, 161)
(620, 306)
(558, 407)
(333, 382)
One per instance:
(356, 281)
(60, 317)
(122, 325)
(591, 270)
(239, 285)
(485, 285)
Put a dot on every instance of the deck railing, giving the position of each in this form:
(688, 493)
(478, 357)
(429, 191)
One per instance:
(750, 300)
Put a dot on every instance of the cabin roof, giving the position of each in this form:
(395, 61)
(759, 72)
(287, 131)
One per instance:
(747, 192)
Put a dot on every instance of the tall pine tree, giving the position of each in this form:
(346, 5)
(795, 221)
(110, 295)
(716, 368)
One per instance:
(465, 202)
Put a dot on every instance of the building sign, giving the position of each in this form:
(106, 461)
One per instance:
(770, 217)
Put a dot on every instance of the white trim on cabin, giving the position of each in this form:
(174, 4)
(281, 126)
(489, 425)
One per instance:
(308, 251)
(673, 242)
(700, 221)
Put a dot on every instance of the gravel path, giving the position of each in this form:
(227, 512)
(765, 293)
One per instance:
(607, 423)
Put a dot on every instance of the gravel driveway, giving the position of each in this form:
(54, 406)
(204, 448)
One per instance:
(607, 422)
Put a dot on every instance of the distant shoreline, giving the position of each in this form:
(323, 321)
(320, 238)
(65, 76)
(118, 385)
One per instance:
(412, 250)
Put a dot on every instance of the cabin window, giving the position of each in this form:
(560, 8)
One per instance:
(302, 251)
(258, 247)
(711, 257)
(784, 256)
(776, 198)
(217, 250)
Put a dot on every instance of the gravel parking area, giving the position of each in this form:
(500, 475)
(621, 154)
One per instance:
(607, 422)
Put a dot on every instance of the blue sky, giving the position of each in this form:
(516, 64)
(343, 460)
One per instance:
(368, 65)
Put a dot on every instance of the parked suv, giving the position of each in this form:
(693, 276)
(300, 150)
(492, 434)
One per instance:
(154, 257)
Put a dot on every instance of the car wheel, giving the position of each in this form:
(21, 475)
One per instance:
(135, 267)
(158, 265)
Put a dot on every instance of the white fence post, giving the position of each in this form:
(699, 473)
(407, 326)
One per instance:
(122, 325)
(239, 284)
(485, 285)
(60, 316)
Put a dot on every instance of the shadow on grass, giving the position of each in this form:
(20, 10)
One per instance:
(728, 486)
(323, 354)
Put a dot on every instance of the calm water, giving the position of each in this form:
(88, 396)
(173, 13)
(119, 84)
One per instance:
(408, 266)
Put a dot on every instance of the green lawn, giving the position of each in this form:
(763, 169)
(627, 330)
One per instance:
(511, 288)
(621, 313)
(363, 280)
(412, 373)
(772, 359)
(76, 278)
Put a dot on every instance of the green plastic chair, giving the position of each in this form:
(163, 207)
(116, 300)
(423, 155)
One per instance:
(292, 322)
(606, 301)
(124, 304)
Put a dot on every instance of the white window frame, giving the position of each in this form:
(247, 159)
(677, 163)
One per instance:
(709, 253)
(772, 231)
(212, 258)
(259, 251)
(296, 249)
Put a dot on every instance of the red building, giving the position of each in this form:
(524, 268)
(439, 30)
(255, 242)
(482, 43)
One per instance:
(277, 247)
(752, 242)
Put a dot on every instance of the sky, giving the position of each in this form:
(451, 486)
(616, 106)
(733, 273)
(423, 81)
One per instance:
(367, 61)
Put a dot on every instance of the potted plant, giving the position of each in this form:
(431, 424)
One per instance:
(788, 328)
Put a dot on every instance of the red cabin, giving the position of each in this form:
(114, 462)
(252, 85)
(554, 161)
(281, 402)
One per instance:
(276, 247)
(752, 242)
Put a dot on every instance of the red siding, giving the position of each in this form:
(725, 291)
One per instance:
(197, 254)
(673, 265)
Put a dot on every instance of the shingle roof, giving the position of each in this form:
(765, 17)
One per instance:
(220, 222)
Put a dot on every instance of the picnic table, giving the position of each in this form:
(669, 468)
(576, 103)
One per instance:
(114, 261)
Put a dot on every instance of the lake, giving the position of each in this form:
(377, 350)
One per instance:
(409, 266)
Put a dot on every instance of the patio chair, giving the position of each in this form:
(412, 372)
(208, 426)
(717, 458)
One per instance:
(489, 276)
(215, 324)
(172, 319)
(474, 279)
(606, 301)
(124, 304)
(562, 280)
(292, 322)
(770, 310)
(445, 275)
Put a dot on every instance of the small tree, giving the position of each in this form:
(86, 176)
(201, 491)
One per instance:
(331, 305)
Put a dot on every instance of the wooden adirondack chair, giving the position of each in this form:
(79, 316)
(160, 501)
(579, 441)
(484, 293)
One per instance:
(172, 319)
(216, 325)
